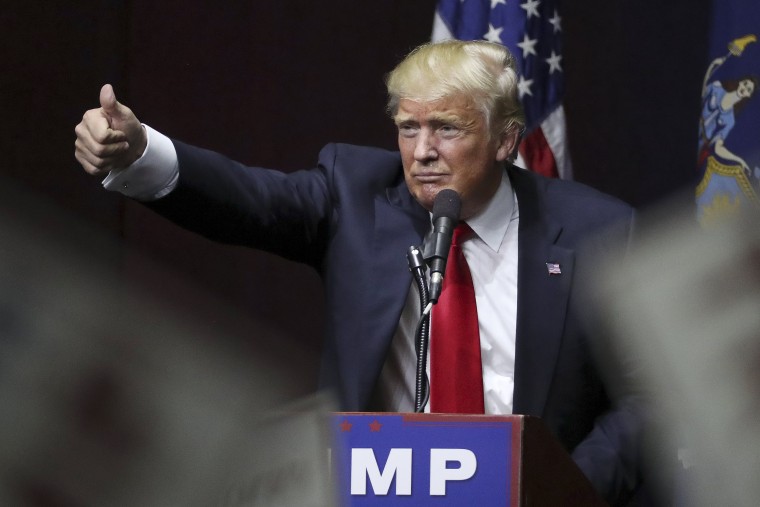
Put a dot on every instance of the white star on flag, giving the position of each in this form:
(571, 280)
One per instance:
(553, 62)
(523, 86)
(531, 8)
(528, 46)
(493, 34)
(556, 22)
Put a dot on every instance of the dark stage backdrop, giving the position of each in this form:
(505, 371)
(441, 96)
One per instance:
(269, 82)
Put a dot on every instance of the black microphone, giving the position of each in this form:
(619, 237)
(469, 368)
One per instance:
(446, 207)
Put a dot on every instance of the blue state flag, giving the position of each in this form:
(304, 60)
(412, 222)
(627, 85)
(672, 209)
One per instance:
(729, 125)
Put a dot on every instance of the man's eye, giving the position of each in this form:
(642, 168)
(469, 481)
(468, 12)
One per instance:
(407, 130)
(448, 130)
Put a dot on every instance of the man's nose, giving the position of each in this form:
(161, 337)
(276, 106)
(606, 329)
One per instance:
(426, 148)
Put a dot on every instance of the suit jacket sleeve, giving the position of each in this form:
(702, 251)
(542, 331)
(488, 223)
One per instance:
(223, 200)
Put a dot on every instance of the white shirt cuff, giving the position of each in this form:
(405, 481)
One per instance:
(151, 176)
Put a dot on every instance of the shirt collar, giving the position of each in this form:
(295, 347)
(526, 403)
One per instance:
(490, 224)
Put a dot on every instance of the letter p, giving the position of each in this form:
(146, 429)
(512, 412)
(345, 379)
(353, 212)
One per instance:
(440, 474)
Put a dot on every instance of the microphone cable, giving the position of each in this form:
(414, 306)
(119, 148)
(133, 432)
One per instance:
(422, 331)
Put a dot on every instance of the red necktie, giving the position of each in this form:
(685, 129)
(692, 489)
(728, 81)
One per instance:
(456, 372)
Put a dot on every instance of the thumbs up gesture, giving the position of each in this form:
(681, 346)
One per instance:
(109, 137)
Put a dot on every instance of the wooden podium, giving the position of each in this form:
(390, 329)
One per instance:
(453, 460)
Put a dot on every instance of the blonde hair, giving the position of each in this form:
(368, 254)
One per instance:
(481, 70)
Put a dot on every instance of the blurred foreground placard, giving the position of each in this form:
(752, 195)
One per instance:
(112, 398)
(687, 302)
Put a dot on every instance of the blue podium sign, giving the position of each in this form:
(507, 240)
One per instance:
(426, 460)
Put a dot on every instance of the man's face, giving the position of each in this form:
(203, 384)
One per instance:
(446, 144)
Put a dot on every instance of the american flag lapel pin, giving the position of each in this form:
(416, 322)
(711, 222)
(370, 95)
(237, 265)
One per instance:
(553, 268)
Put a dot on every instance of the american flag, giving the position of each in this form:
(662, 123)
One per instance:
(531, 30)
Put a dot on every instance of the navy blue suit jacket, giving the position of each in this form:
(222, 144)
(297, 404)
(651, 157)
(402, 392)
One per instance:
(352, 218)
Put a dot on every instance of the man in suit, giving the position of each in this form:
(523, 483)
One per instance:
(353, 217)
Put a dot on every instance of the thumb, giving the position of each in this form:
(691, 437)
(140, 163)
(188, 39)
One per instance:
(110, 105)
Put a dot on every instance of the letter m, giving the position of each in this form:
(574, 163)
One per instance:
(364, 465)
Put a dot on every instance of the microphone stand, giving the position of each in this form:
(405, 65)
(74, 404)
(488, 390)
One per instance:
(446, 207)
(422, 333)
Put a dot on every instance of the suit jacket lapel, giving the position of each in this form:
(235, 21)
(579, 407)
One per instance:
(542, 297)
(400, 222)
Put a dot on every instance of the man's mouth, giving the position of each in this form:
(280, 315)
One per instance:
(429, 176)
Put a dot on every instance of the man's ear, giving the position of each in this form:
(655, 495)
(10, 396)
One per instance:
(508, 144)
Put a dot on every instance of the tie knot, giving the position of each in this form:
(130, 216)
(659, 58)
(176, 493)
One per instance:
(462, 233)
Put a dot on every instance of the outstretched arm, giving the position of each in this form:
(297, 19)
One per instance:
(711, 70)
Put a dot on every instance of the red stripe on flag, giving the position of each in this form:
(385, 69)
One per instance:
(538, 155)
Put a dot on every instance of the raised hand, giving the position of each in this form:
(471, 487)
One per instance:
(109, 137)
